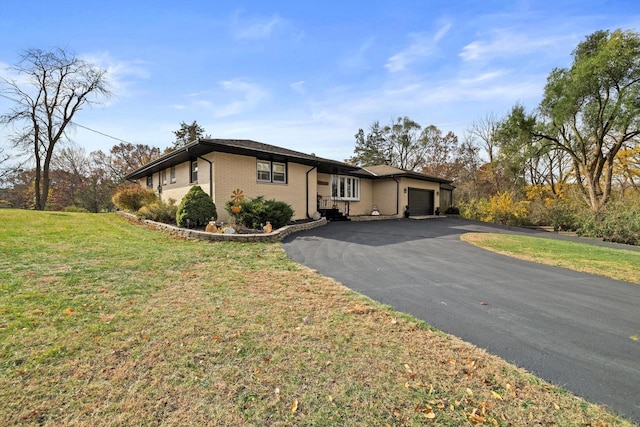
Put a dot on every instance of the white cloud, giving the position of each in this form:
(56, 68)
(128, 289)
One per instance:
(249, 94)
(444, 29)
(483, 77)
(298, 87)
(121, 75)
(422, 46)
(357, 61)
(255, 28)
(506, 43)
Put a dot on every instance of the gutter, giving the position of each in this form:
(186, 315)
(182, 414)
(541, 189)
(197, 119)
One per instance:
(307, 192)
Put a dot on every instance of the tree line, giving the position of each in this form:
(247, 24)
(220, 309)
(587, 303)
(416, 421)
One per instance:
(577, 151)
(572, 162)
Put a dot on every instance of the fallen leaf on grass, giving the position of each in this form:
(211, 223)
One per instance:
(475, 419)
(360, 309)
(68, 311)
(496, 395)
(294, 406)
(556, 406)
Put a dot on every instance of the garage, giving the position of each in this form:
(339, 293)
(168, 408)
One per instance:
(420, 201)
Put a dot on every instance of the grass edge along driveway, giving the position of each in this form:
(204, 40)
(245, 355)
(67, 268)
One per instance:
(105, 322)
(614, 263)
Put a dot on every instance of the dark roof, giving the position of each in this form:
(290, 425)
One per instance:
(244, 147)
(387, 171)
(247, 147)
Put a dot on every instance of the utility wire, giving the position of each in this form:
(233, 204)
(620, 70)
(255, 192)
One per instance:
(71, 121)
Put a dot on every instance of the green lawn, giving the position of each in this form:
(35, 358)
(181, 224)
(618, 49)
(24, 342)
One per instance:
(105, 322)
(617, 264)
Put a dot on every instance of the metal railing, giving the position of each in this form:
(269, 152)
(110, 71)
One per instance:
(327, 202)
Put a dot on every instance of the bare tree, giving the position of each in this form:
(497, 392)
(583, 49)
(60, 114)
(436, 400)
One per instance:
(485, 131)
(4, 170)
(124, 158)
(52, 87)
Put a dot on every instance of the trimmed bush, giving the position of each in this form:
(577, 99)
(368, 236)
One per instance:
(132, 197)
(196, 208)
(256, 212)
(159, 211)
(279, 213)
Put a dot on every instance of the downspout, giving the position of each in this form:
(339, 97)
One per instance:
(210, 176)
(307, 192)
(397, 194)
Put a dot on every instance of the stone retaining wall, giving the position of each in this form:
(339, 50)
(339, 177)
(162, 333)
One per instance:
(274, 236)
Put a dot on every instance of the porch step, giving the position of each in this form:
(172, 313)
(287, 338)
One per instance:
(333, 215)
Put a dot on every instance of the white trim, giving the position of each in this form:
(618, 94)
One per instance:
(264, 167)
(345, 188)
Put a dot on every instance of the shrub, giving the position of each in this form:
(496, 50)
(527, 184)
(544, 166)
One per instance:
(196, 208)
(452, 210)
(132, 197)
(503, 208)
(256, 212)
(619, 222)
(279, 213)
(473, 209)
(159, 211)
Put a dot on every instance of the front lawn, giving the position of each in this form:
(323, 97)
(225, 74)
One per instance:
(104, 322)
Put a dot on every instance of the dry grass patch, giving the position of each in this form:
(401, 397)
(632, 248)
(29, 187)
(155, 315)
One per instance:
(197, 333)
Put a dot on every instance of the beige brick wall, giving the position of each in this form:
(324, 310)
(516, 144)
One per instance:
(414, 183)
(364, 205)
(385, 198)
(324, 184)
(234, 171)
(178, 189)
(231, 171)
(360, 207)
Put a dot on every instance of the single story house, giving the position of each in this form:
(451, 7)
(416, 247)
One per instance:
(310, 184)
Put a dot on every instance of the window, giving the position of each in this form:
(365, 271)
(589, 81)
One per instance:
(279, 173)
(264, 171)
(194, 171)
(172, 174)
(271, 172)
(164, 177)
(345, 187)
(150, 181)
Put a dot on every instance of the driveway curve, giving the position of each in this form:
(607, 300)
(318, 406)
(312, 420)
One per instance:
(572, 329)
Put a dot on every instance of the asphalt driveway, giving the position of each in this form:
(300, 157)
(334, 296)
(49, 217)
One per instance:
(572, 329)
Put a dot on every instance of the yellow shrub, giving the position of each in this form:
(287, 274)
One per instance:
(503, 208)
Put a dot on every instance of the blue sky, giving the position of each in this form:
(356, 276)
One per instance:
(305, 74)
